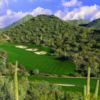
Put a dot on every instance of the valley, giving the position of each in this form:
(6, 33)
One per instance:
(44, 63)
(46, 55)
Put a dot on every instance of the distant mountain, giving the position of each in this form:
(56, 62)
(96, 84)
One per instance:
(94, 24)
(42, 25)
(21, 21)
(78, 22)
(1, 30)
(28, 27)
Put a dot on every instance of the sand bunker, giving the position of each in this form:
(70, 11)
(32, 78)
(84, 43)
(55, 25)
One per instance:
(21, 46)
(40, 53)
(35, 50)
(31, 49)
(69, 85)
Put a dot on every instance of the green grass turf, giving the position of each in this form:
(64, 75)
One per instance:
(45, 63)
(79, 82)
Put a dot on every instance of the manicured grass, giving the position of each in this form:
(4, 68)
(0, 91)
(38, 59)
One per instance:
(45, 63)
(78, 82)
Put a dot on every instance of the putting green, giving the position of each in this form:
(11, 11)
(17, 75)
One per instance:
(45, 63)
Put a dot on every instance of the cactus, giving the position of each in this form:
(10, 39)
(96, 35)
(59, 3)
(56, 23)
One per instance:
(96, 90)
(88, 83)
(87, 86)
(85, 92)
(16, 82)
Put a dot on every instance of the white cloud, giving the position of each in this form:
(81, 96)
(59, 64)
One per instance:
(85, 12)
(40, 10)
(71, 3)
(96, 16)
(12, 16)
(60, 14)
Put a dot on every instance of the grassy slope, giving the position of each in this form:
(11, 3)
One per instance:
(45, 63)
(94, 24)
(79, 82)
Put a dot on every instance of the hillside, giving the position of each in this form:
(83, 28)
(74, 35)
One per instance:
(66, 41)
(23, 20)
(40, 25)
(94, 24)
(1, 30)
(77, 22)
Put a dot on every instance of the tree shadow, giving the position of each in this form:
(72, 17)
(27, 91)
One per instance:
(63, 58)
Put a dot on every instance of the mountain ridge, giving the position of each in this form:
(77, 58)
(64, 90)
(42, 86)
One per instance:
(93, 24)
(20, 21)
(89, 24)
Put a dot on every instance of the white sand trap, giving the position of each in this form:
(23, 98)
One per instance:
(21, 46)
(69, 85)
(31, 49)
(40, 53)
(43, 52)
(35, 49)
(28, 49)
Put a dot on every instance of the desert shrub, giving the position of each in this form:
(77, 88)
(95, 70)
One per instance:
(36, 71)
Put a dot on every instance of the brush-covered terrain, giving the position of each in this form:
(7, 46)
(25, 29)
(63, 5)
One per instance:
(49, 49)
(65, 41)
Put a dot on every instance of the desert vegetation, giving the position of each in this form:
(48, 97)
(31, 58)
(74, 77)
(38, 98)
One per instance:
(16, 87)
(45, 58)
(66, 41)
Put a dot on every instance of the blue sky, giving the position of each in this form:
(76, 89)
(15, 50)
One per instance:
(13, 10)
(54, 5)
